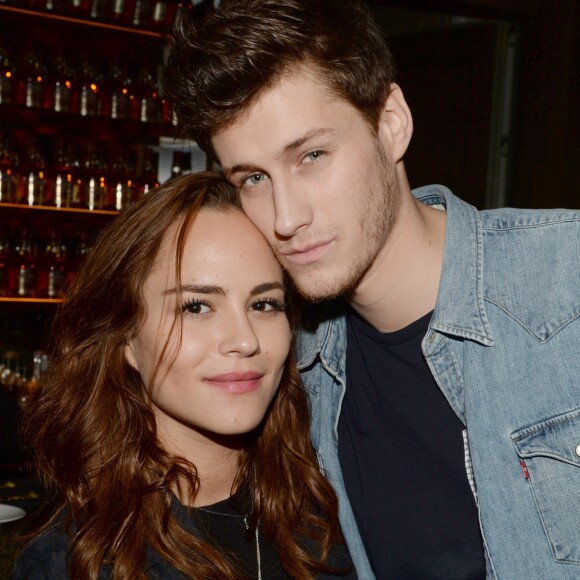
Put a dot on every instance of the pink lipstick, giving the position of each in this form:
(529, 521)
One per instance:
(236, 383)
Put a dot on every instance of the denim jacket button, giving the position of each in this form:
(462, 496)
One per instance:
(577, 450)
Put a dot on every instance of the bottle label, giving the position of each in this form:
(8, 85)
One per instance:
(89, 102)
(33, 94)
(7, 186)
(26, 282)
(5, 91)
(62, 98)
(55, 282)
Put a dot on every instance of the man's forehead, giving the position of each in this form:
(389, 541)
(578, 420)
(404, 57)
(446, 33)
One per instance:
(281, 119)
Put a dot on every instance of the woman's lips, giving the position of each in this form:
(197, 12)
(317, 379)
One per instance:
(237, 383)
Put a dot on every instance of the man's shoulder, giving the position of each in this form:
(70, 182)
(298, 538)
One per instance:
(531, 240)
(530, 266)
(531, 221)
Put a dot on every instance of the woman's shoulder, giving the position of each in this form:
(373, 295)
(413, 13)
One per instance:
(44, 557)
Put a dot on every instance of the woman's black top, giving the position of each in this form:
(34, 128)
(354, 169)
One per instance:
(223, 524)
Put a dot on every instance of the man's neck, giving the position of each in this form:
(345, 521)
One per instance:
(402, 284)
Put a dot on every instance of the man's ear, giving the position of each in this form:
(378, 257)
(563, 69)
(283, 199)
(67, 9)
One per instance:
(130, 355)
(395, 124)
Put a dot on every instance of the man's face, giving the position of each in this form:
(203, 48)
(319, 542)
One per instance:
(315, 180)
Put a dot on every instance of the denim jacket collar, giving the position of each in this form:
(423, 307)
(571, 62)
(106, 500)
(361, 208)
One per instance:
(460, 308)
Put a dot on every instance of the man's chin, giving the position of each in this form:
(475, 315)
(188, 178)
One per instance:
(320, 290)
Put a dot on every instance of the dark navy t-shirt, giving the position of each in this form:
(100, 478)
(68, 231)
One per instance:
(401, 453)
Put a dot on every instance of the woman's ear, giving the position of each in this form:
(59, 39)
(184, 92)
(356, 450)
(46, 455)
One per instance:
(130, 355)
(395, 124)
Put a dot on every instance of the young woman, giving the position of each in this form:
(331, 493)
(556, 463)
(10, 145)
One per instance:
(173, 428)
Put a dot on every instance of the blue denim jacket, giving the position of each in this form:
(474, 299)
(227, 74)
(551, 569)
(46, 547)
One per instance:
(504, 347)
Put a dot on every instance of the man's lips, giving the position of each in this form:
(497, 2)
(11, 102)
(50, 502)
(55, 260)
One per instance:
(236, 382)
(303, 255)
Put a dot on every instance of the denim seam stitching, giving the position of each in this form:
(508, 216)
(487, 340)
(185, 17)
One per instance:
(527, 328)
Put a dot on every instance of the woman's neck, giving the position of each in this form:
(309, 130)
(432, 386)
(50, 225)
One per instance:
(215, 459)
(216, 477)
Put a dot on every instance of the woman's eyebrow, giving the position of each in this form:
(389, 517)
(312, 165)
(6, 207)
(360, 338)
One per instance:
(218, 290)
(196, 288)
(266, 287)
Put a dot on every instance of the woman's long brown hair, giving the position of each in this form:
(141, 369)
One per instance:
(93, 431)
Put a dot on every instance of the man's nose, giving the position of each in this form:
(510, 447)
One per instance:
(292, 208)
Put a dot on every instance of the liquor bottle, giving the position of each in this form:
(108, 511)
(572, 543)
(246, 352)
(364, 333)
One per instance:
(22, 274)
(141, 13)
(30, 88)
(95, 193)
(9, 161)
(82, 245)
(121, 190)
(89, 91)
(61, 178)
(159, 15)
(98, 10)
(75, 177)
(39, 367)
(61, 80)
(147, 180)
(147, 96)
(119, 90)
(117, 12)
(5, 257)
(7, 75)
(53, 266)
(32, 177)
(77, 8)
(28, 389)
(53, 5)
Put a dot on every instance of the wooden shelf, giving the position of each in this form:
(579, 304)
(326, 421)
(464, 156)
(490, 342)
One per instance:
(82, 21)
(31, 300)
(69, 210)
(49, 122)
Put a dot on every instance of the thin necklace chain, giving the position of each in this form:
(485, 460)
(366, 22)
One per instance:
(220, 513)
(258, 554)
(256, 532)
(256, 535)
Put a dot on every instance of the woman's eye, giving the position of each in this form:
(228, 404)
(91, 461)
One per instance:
(196, 307)
(268, 305)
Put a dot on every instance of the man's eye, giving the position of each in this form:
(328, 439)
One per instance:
(253, 180)
(313, 156)
(196, 307)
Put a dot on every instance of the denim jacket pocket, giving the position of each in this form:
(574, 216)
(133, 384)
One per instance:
(550, 451)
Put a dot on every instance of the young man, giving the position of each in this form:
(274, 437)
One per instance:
(445, 377)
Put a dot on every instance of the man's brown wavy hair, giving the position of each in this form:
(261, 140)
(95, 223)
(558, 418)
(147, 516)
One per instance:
(93, 430)
(221, 61)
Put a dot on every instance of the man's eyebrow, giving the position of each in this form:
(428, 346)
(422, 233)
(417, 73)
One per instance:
(297, 143)
(266, 287)
(289, 148)
(196, 288)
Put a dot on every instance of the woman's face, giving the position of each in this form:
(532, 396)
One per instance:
(236, 335)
